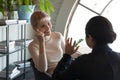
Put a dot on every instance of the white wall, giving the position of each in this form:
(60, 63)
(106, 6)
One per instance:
(63, 15)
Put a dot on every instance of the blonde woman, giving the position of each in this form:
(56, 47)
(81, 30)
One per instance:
(47, 48)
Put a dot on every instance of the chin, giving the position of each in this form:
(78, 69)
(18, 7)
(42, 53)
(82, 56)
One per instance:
(47, 34)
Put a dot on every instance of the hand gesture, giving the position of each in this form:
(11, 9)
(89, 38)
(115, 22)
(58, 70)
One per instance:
(70, 47)
(40, 35)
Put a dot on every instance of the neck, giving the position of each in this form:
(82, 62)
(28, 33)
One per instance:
(47, 38)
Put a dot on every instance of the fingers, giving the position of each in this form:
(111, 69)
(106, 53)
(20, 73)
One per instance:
(76, 48)
(70, 41)
(71, 46)
(39, 33)
(74, 43)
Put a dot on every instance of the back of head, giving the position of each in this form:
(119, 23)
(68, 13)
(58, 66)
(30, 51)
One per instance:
(37, 16)
(100, 28)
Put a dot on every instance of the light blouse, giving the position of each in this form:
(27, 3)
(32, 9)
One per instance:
(54, 50)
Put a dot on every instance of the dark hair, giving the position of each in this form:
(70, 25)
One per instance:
(36, 17)
(100, 28)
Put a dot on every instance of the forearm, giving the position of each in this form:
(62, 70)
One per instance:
(42, 59)
(62, 66)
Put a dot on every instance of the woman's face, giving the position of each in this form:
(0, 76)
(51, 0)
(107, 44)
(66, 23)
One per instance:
(45, 26)
(90, 41)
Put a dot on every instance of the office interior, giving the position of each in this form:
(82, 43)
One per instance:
(69, 18)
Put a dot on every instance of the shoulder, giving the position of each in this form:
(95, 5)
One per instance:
(57, 34)
(83, 57)
(79, 63)
(115, 55)
(33, 44)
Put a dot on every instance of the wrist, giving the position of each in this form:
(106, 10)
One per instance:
(66, 55)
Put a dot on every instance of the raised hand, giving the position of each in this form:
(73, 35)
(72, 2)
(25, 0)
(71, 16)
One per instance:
(40, 35)
(70, 47)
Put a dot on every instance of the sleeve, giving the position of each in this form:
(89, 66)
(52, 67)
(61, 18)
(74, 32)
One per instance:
(69, 69)
(62, 67)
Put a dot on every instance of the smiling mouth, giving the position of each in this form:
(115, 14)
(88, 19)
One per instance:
(46, 32)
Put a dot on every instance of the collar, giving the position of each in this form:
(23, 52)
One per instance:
(102, 49)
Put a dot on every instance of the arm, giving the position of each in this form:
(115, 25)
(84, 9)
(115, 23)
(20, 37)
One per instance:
(62, 72)
(61, 67)
(38, 53)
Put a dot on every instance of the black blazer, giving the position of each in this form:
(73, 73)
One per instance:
(101, 64)
(39, 75)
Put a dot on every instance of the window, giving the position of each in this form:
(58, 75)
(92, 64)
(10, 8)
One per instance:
(88, 8)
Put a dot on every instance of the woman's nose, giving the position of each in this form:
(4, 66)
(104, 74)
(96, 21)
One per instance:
(47, 27)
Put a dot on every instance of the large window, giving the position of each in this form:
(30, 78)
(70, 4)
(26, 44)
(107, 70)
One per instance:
(88, 8)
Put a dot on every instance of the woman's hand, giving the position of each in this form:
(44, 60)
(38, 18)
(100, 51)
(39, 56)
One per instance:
(70, 47)
(40, 35)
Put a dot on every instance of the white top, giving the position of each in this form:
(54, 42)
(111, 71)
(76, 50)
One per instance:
(54, 49)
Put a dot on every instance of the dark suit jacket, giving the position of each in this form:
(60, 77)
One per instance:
(101, 64)
(39, 75)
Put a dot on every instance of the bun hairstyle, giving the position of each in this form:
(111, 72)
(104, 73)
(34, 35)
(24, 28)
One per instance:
(100, 28)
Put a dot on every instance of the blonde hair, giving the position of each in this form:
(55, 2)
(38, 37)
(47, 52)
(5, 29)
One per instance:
(37, 16)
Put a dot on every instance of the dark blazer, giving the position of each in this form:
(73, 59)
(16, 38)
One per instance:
(39, 75)
(101, 64)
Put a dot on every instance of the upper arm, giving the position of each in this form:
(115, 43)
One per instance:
(34, 52)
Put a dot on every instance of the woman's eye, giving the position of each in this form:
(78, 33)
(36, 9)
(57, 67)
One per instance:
(49, 23)
(43, 26)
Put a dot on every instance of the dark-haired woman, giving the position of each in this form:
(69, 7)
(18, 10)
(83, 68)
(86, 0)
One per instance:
(101, 64)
